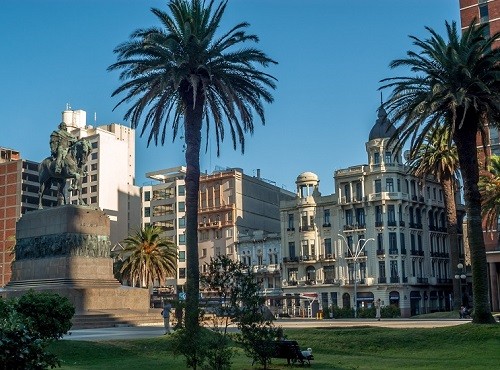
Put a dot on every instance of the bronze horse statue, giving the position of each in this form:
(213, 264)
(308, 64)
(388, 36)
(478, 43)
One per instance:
(74, 168)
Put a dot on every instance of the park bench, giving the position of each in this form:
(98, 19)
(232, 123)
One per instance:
(290, 350)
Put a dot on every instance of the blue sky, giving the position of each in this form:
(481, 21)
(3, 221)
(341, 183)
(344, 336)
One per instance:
(331, 53)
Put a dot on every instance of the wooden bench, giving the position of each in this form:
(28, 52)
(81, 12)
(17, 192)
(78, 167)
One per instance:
(290, 350)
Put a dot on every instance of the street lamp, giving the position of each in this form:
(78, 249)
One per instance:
(460, 275)
(355, 255)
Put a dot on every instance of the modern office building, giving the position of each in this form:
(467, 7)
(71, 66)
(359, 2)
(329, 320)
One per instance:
(231, 203)
(18, 195)
(381, 235)
(487, 12)
(110, 184)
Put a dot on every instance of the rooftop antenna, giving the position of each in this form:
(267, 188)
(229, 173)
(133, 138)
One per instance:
(95, 118)
(381, 100)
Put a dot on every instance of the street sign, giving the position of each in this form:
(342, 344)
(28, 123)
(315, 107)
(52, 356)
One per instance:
(182, 296)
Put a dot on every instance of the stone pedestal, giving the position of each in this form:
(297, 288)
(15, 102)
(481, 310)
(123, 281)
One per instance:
(66, 250)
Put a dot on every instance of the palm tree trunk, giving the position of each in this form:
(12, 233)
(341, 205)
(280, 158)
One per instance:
(467, 156)
(451, 226)
(192, 134)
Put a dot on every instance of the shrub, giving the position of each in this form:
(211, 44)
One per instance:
(48, 313)
(21, 346)
(390, 311)
(342, 313)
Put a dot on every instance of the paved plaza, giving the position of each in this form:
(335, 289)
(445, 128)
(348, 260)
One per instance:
(135, 332)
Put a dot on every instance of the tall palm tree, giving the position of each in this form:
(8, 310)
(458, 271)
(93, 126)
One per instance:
(438, 158)
(181, 74)
(148, 257)
(489, 186)
(455, 82)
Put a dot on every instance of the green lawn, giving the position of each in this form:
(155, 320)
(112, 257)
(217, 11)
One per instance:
(465, 346)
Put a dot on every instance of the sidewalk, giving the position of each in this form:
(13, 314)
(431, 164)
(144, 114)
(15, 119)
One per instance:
(136, 332)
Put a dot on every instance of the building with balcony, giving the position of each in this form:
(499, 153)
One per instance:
(398, 219)
(231, 203)
(18, 195)
(261, 252)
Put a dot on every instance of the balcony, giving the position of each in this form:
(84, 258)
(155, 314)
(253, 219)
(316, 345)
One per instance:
(415, 252)
(394, 280)
(379, 223)
(391, 223)
(444, 281)
(330, 281)
(401, 223)
(421, 280)
(306, 228)
(349, 254)
(393, 251)
(324, 257)
(382, 280)
(327, 225)
(405, 280)
(308, 258)
(403, 250)
(380, 252)
(290, 259)
(290, 229)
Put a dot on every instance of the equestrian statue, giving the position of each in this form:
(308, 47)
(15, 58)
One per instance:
(68, 160)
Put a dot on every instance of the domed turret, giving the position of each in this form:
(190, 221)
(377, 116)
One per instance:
(307, 184)
(383, 127)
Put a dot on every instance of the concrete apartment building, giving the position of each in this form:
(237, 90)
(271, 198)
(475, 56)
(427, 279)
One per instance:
(110, 184)
(231, 203)
(487, 12)
(406, 260)
(18, 195)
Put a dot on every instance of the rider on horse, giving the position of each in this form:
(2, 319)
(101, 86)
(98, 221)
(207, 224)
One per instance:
(60, 142)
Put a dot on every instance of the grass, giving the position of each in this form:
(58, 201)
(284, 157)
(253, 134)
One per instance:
(466, 346)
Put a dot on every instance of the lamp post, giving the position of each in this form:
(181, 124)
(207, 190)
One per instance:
(355, 255)
(460, 275)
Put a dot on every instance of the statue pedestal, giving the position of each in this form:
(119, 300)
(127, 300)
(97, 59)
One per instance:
(66, 250)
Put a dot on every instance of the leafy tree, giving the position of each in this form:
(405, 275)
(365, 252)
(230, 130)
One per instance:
(148, 256)
(181, 74)
(437, 157)
(455, 82)
(489, 186)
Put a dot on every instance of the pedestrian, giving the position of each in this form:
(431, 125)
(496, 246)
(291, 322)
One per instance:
(377, 309)
(166, 316)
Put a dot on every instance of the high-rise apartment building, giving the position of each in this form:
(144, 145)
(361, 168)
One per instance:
(110, 184)
(18, 195)
(487, 12)
(381, 235)
(231, 203)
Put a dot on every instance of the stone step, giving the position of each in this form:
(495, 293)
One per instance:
(113, 318)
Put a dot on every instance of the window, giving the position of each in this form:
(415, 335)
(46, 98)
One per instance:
(376, 158)
(328, 246)
(93, 177)
(394, 269)
(147, 212)
(378, 215)
(347, 192)
(94, 145)
(182, 239)
(305, 248)
(182, 222)
(204, 235)
(182, 273)
(419, 242)
(203, 252)
(326, 216)
(398, 184)
(182, 256)
(93, 167)
(93, 188)
(217, 234)
(181, 190)
(402, 241)
(378, 186)
(381, 269)
(181, 207)
(93, 200)
(94, 155)
(147, 196)
(389, 185)
(391, 215)
(291, 249)
(329, 272)
(360, 216)
(380, 241)
(348, 217)
(393, 243)
(483, 13)
(388, 157)
(359, 191)
(229, 233)
(292, 274)
(84, 190)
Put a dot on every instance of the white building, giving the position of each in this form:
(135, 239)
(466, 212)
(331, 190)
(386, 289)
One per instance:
(406, 259)
(110, 184)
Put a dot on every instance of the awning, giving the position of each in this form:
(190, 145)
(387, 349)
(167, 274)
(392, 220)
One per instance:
(394, 295)
(415, 295)
(365, 296)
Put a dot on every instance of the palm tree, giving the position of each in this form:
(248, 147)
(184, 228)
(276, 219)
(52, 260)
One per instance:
(436, 157)
(182, 75)
(455, 82)
(148, 257)
(489, 186)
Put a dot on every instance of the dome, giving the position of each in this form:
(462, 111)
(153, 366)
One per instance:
(383, 127)
(307, 177)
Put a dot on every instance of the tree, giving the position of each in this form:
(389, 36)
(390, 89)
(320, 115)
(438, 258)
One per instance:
(489, 186)
(436, 157)
(148, 256)
(455, 82)
(181, 74)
